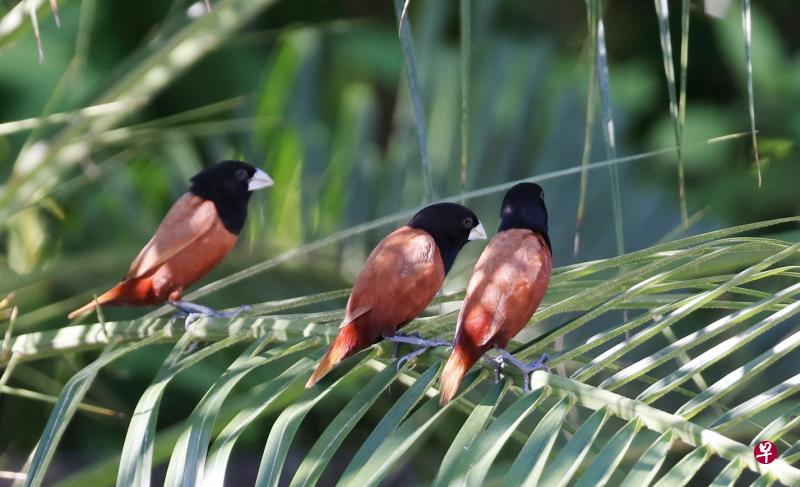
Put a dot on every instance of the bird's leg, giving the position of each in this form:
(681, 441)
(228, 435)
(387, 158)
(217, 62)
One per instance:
(407, 357)
(396, 348)
(419, 341)
(497, 364)
(422, 343)
(193, 311)
(526, 369)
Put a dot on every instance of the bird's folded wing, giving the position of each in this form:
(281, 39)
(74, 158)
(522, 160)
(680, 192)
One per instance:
(399, 274)
(506, 310)
(351, 315)
(500, 291)
(189, 219)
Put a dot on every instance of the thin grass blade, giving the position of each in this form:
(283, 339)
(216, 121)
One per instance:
(608, 122)
(473, 426)
(72, 395)
(189, 455)
(560, 471)
(715, 354)
(137, 451)
(618, 350)
(220, 452)
(414, 87)
(661, 421)
(683, 471)
(16, 18)
(779, 426)
(390, 453)
(729, 475)
(476, 462)
(682, 112)
(527, 469)
(662, 11)
(747, 29)
(329, 441)
(739, 377)
(388, 424)
(465, 57)
(284, 428)
(604, 464)
(758, 403)
(648, 465)
(591, 102)
(677, 347)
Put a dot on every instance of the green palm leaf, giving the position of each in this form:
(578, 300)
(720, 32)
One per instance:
(490, 424)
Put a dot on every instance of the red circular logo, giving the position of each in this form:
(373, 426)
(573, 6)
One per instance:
(765, 452)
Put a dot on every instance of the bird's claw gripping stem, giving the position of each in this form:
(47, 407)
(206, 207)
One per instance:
(422, 343)
(497, 365)
(526, 369)
(193, 311)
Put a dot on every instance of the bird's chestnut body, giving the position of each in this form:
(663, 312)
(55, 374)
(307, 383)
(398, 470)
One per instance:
(399, 279)
(506, 286)
(199, 230)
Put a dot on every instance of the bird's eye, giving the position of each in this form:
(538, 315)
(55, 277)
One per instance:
(468, 223)
(541, 195)
(241, 175)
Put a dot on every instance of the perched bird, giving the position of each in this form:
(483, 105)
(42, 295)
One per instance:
(399, 280)
(505, 289)
(197, 233)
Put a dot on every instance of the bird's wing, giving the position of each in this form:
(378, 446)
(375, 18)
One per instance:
(399, 279)
(189, 219)
(506, 287)
(350, 315)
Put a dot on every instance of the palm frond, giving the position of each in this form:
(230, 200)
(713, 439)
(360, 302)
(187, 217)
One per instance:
(660, 281)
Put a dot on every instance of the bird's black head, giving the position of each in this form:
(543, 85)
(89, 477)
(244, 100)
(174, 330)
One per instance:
(523, 207)
(229, 184)
(451, 226)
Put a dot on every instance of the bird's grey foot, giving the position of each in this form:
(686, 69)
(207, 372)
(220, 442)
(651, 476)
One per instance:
(192, 312)
(396, 348)
(497, 364)
(526, 369)
(422, 343)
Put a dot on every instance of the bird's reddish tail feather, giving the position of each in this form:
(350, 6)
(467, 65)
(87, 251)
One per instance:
(461, 359)
(344, 345)
(106, 298)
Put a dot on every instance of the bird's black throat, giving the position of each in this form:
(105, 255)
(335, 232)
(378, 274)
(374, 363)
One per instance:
(231, 207)
(449, 224)
(232, 211)
(226, 184)
(449, 250)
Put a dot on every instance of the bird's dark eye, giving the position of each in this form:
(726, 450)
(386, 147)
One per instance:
(541, 195)
(468, 223)
(241, 175)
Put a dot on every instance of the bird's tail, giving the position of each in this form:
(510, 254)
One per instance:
(461, 359)
(105, 298)
(344, 345)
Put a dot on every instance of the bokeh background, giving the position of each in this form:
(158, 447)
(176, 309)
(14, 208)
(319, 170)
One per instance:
(315, 93)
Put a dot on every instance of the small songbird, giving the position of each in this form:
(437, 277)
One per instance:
(399, 280)
(505, 289)
(197, 233)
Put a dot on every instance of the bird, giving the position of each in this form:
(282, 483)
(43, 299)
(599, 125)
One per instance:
(198, 231)
(506, 286)
(398, 281)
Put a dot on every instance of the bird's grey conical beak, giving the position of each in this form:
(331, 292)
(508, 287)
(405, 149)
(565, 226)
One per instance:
(477, 233)
(260, 180)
